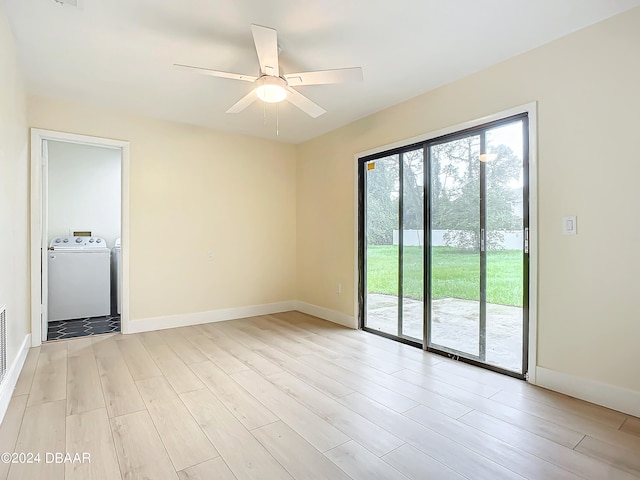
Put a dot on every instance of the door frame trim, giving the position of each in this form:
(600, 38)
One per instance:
(531, 110)
(37, 244)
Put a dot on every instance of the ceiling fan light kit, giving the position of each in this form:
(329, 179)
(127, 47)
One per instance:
(272, 87)
(488, 157)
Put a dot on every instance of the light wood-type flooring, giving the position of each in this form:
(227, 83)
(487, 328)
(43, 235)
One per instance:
(289, 396)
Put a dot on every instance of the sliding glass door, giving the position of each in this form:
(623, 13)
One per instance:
(382, 250)
(444, 244)
(506, 249)
(394, 223)
(455, 280)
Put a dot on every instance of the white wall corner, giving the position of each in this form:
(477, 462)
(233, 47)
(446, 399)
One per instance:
(11, 378)
(197, 318)
(327, 314)
(616, 398)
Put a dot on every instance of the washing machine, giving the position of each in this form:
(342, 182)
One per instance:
(116, 273)
(79, 278)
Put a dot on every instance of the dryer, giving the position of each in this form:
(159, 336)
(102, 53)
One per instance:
(79, 278)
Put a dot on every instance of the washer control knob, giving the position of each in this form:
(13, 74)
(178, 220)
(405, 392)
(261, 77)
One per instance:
(66, 240)
(57, 240)
(91, 240)
(79, 240)
(99, 240)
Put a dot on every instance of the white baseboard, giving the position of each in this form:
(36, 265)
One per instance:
(326, 314)
(11, 378)
(617, 398)
(187, 319)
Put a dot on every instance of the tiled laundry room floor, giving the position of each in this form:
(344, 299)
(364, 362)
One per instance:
(80, 327)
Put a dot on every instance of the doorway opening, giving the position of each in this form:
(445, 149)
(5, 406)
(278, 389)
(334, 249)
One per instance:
(79, 235)
(83, 204)
(444, 244)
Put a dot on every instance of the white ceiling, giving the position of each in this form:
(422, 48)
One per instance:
(119, 53)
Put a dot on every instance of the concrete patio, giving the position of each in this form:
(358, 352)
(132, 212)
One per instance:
(455, 325)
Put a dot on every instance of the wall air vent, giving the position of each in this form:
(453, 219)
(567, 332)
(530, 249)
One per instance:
(71, 3)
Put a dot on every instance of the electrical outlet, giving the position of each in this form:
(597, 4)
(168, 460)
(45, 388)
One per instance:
(210, 255)
(339, 289)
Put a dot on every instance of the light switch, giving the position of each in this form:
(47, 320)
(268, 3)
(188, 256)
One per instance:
(569, 225)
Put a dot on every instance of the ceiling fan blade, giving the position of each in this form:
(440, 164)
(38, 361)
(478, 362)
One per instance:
(340, 75)
(244, 102)
(266, 40)
(304, 104)
(216, 73)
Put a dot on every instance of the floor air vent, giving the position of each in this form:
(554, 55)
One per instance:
(3, 342)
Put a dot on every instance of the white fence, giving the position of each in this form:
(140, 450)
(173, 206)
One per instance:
(412, 238)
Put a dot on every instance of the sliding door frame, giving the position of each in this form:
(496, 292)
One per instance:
(529, 112)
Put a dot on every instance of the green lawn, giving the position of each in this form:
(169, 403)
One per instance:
(455, 273)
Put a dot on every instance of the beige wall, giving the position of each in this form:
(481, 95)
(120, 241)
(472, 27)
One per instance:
(193, 190)
(587, 86)
(14, 196)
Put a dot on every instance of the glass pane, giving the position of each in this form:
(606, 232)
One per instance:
(381, 242)
(413, 245)
(505, 225)
(455, 246)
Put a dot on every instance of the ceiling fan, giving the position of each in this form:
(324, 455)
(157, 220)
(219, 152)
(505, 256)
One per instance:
(271, 85)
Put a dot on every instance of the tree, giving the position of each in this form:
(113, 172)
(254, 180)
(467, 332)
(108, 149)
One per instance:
(382, 201)
(413, 190)
(503, 201)
(455, 190)
(383, 196)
